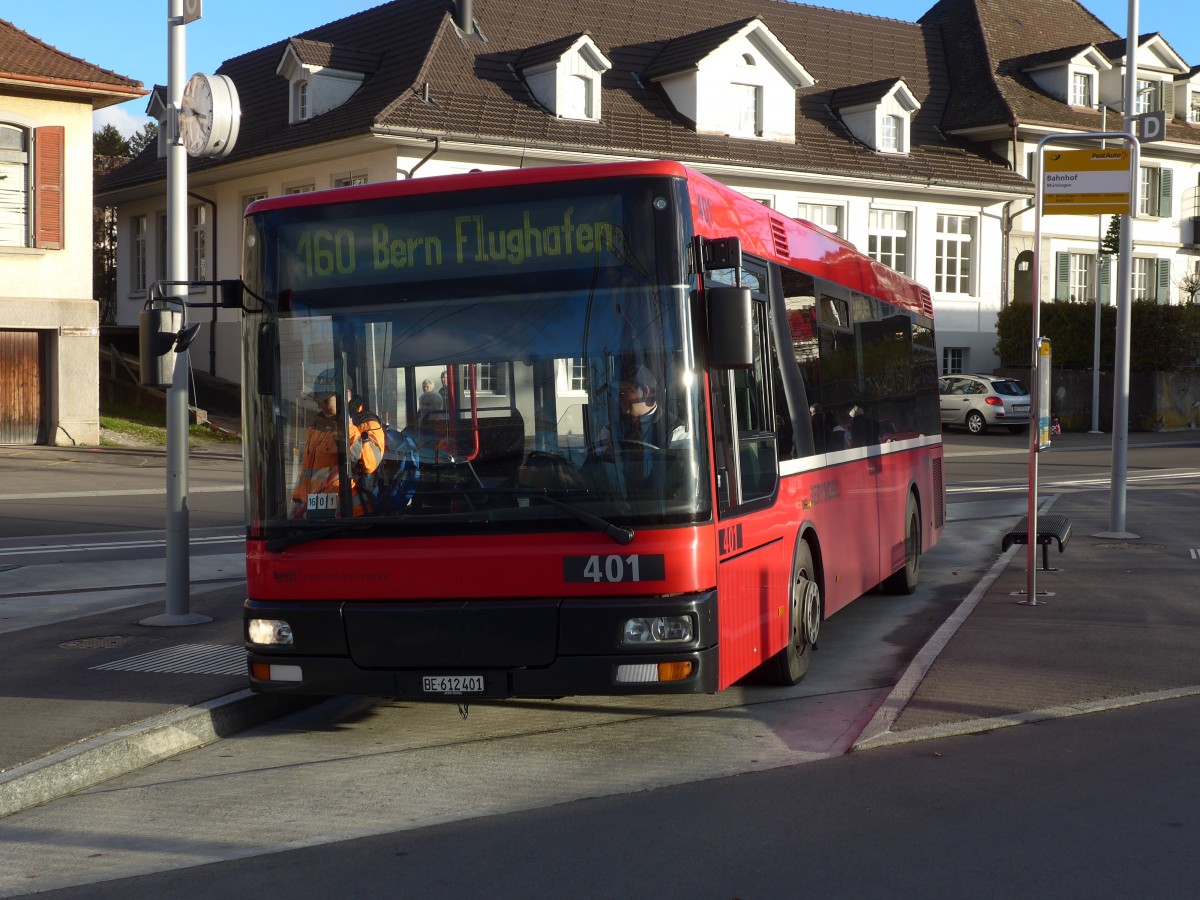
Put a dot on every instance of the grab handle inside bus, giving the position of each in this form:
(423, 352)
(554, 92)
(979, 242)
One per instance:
(730, 331)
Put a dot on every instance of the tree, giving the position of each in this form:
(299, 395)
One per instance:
(110, 151)
(1111, 242)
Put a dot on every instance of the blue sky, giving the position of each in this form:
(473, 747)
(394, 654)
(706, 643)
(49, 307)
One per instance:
(130, 37)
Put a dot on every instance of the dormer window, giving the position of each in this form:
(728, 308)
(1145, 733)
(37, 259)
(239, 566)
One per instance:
(747, 110)
(299, 101)
(889, 138)
(1148, 97)
(580, 97)
(321, 76)
(879, 113)
(737, 80)
(1081, 90)
(564, 76)
(1193, 107)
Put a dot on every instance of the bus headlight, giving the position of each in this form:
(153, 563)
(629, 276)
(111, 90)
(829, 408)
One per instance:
(269, 632)
(658, 630)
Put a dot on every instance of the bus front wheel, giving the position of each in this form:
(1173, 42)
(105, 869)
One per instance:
(790, 664)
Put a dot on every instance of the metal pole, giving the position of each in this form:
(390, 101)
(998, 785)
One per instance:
(177, 574)
(1120, 427)
(1100, 265)
(1031, 509)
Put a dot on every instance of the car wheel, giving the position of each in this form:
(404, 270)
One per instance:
(976, 424)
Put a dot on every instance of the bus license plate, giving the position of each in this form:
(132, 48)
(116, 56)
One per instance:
(452, 684)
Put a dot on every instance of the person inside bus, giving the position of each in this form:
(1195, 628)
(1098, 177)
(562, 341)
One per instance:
(317, 490)
(642, 427)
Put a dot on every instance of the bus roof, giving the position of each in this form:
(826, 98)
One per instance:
(717, 211)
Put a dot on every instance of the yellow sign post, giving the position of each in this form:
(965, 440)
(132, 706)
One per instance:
(1086, 182)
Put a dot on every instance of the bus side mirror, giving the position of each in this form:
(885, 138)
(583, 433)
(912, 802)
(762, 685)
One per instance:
(730, 331)
(268, 342)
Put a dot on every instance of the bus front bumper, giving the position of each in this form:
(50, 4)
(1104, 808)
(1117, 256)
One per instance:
(460, 650)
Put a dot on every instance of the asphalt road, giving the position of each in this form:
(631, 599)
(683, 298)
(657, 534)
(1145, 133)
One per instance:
(530, 799)
(1092, 807)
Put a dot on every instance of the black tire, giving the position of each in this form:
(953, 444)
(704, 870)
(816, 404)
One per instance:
(976, 423)
(790, 664)
(904, 580)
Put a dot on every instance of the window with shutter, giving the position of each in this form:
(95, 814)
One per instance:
(48, 147)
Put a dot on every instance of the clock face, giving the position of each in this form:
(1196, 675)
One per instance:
(209, 115)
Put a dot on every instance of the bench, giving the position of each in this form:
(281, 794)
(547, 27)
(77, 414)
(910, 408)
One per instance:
(1049, 529)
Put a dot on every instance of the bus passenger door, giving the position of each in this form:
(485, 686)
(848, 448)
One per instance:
(754, 559)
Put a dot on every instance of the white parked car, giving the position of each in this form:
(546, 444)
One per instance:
(978, 402)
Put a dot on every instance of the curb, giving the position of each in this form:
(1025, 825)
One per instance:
(979, 726)
(123, 751)
(877, 732)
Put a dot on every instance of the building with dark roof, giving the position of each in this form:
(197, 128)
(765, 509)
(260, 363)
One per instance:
(909, 139)
(49, 334)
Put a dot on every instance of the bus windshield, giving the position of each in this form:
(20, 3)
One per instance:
(481, 363)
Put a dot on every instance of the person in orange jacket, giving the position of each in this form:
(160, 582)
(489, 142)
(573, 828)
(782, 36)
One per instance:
(318, 488)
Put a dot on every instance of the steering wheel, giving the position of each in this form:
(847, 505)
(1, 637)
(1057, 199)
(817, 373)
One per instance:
(645, 445)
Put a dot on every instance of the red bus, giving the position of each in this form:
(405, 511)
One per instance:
(632, 432)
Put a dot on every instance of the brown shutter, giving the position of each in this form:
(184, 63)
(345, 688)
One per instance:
(48, 146)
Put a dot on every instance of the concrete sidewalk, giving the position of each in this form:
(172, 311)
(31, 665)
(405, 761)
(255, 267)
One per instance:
(94, 696)
(1119, 624)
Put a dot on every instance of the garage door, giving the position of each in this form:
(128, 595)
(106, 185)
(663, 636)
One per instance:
(22, 404)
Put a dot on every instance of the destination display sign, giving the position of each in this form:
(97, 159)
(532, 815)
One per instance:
(1086, 182)
(390, 247)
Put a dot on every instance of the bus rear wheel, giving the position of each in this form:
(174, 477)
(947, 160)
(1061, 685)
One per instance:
(790, 664)
(904, 580)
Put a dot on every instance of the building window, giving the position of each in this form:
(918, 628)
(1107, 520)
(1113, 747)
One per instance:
(489, 379)
(160, 255)
(300, 100)
(827, 215)
(138, 276)
(1081, 89)
(300, 189)
(580, 99)
(1143, 278)
(247, 199)
(1193, 110)
(1147, 99)
(199, 243)
(889, 138)
(747, 110)
(1154, 191)
(1082, 266)
(954, 238)
(576, 375)
(888, 238)
(346, 179)
(14, 186)
(954, 360)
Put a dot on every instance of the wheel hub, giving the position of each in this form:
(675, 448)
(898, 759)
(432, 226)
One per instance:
(810, 610)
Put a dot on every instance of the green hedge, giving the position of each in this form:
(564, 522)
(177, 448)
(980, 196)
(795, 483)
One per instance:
(1161, 338)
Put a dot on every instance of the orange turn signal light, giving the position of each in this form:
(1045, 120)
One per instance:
(674, 671)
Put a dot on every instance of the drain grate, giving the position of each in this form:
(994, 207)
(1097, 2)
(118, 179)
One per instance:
(185, 659)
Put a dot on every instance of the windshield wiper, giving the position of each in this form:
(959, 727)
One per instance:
(279, 544)
(622, 534)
